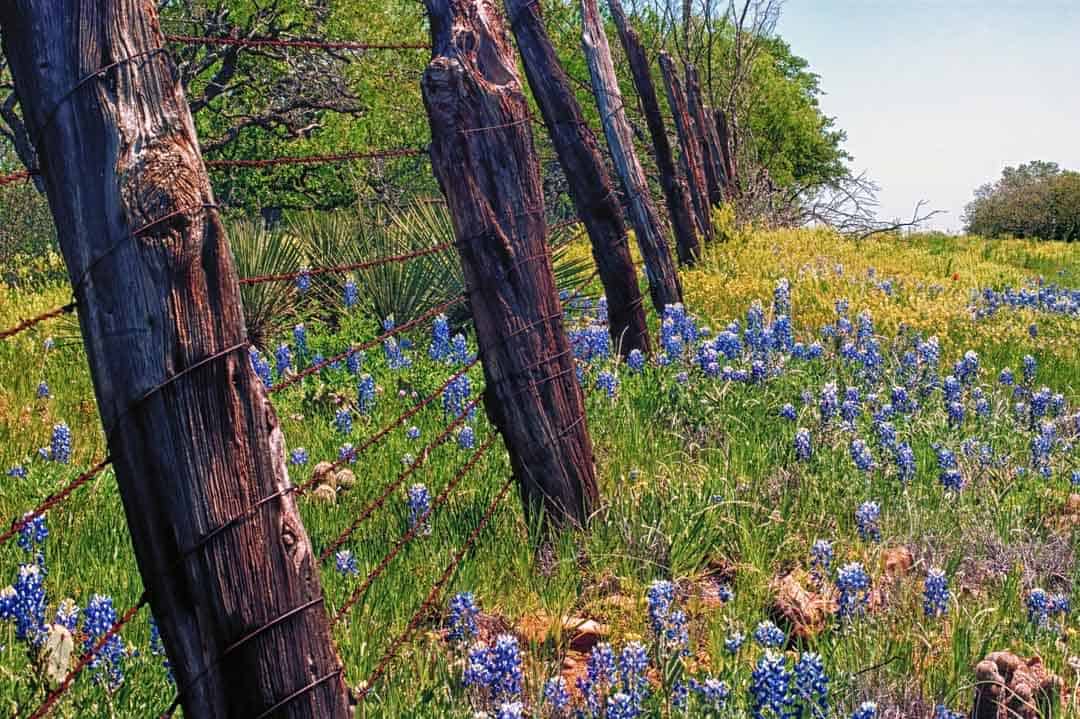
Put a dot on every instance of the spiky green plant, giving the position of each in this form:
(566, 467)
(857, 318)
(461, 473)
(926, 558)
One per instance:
(269, 307)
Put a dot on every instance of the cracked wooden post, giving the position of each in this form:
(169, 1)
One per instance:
(688, 140)
(683, 220)
(664, 285)
(483, 156)
(590, 185)
(706, 132)
(723, 136)
(192, 436)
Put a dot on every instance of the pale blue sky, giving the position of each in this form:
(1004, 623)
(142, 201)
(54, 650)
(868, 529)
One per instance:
(937, 97)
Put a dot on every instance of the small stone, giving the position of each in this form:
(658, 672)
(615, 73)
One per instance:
(324, 494)
(345, 479)
(584, 633)
(56, 654)
(1009, 686)
(799, 606)
(322, 472)
(897, 562)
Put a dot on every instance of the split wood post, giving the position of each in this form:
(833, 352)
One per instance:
(590, 184)
(483, 156)
(689, 141)
(197, 449)
(664, 285)
(702, 120)
(723, 135)
(676, 192)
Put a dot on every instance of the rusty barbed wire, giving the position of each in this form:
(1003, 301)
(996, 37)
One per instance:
(16, 176)
(415, 529)
(318, 159)
(405, 474)
(351, 267)
(301, 44)
(28, 323)
(432, 597)
(53, 500)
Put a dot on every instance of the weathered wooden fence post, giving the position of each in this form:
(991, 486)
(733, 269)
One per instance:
(664, 285)
(483, 156)
(590, 185)
(688, 140)
(706, 132)
(199, 456)
(723, 135)
(675, 191)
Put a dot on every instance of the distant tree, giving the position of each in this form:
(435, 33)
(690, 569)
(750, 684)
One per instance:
(1035, 200)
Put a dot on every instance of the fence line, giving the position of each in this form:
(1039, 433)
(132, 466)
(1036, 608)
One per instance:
(365, 265)
(54, 499)
(317, 159)
(415, 529)
(432, 597)
(28, 323)
(390, 488)
(302, 44)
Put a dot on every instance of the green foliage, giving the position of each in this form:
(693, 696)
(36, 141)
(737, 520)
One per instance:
(1037, 200)
(269, 307)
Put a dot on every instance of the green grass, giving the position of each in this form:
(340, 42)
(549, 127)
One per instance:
(689, 473)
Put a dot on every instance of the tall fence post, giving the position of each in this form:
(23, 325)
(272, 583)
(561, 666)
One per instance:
(689, 141)
(664, 285)
(683, 220)
(590, 185)
(199, 456)
(483, 157)
(723, 136)
(706, 132)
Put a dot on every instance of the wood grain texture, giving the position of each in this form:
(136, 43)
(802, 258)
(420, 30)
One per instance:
(590, 185)
(483, 156)
(701, 116)
(685, 222)
(119, 152)
(664, 285)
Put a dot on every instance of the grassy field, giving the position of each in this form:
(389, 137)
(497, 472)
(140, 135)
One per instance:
(702, 485)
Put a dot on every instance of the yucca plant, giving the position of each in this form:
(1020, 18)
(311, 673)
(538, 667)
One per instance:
(270, 308)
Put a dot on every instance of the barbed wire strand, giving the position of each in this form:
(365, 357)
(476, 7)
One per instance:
(317, 159)
(54, 499)
(405, 474)
(38, 319)
(354, 266)
(432, 597)
(302, 44)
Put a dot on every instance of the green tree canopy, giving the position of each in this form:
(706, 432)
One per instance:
(1035, 200)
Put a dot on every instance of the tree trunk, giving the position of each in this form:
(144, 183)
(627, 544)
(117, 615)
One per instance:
(193, 438)
(590, 185)
(664, 285)
(688, 141)
(483, 156)
(723, 135)
(675, 192)
(707, 135)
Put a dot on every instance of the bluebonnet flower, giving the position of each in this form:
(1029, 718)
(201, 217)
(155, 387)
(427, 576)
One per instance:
(1042, 443)
(343, 421)
(943, 712)
(17, 472)
(354, 361)
(866, 710)
(734, 641)
(725, 593)
(419, 502)
(346, 453)
(788, 411)
(905, 462)
(24, 603)
(601, 667)
(463, 613)
(98, 619)
(608, 382)
(955, 414)
(886, 434)
(810, 686)
(1057, 404)
(768, 634)
(299, 334)
(635, 360)
(622, 706)
(866, 520)
(459, 349)
(860, 454)
(60, 444)
(633, 662)
(1006, 377)
(935, 593)
(1038, 607)
(439, 349)
(455, 396)
(769, 686)
(821, 557)
(261, 367)
(901, 400)
(782, 297)
(34, 532)
(345, 561)
(298, 456)
(1059, 604)
(282, 360)
(43, 390)
(803, 449)
(501, 666)
(854, 585)
(712, 693)
(395, 355)
(557, 695)
(365, 394)
(829, 402)
(1075, 479)
(510, 710)
(967, 369)
(350, 295)
(1033, 330)
(1030, 368)
(303, 280)
(413, 433)
(466, 438)
(67, 615)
